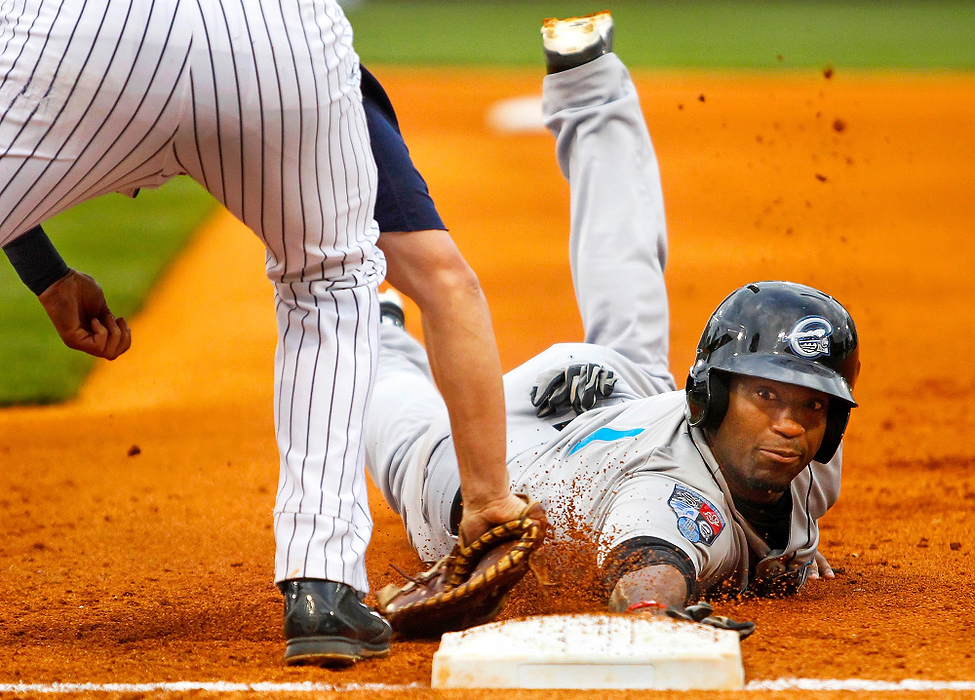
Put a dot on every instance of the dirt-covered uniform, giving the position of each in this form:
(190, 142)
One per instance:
(636, 474)
(631, 471)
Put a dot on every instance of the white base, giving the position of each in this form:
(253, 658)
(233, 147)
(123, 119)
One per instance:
(590, 651)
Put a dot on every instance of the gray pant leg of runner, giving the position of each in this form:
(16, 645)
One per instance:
(409, 451)
(618, 242)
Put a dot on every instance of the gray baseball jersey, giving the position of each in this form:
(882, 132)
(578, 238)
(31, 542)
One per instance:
(260, 103)
(637, 469)
(632, 467)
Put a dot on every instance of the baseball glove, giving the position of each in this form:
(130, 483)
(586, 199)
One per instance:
(469, 585)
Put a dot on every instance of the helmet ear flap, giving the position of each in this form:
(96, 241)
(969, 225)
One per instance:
(837, 417)
(696, 391)
(718, 405)
(707, 399)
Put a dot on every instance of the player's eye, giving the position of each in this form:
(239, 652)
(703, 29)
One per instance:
(764, 393)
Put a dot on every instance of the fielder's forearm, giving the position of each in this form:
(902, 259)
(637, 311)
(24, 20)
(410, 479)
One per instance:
(464, 361)
(459, 339)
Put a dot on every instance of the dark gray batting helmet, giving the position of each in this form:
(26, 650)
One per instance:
(782, 331)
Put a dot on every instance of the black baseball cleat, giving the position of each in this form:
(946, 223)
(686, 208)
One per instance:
(575, 41)
(327, 624)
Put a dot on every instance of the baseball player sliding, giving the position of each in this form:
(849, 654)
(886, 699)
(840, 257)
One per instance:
(685, 493)
(260, 103)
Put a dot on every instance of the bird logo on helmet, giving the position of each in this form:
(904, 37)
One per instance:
(782, 331)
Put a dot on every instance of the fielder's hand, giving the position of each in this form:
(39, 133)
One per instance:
(478, 519)
(80, 314)
(578, 387)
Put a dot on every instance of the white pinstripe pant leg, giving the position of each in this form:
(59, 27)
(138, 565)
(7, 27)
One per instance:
(278, 134)
(91, 94)
(323, 367)
(260, 103)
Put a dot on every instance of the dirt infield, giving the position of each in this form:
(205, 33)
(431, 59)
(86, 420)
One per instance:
(136, 532)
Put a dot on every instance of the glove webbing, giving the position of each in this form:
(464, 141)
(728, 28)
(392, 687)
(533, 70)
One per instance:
(526, 528)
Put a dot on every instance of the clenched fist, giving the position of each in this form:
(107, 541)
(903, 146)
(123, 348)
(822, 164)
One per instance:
(80, 314)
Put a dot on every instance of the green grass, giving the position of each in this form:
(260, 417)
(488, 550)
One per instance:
(679, 33)
(125, 245)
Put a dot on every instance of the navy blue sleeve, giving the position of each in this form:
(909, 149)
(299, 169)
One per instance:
(640, 552)
(36, 260)
(403, 202)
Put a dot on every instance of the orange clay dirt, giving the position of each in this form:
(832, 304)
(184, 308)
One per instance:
(136, 521)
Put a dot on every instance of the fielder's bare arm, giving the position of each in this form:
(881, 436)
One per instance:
(425, 264)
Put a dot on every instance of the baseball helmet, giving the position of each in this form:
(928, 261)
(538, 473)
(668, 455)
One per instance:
(782, 331)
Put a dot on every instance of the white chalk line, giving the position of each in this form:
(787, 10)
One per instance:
(807, 684)
(190, 686)
(856, 684)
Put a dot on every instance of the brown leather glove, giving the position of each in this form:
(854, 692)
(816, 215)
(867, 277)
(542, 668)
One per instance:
(469, 585)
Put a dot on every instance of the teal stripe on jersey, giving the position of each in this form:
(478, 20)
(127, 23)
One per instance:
(604, 435)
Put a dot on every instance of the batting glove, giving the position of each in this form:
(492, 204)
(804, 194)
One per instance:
(578, 387)
(701, 612)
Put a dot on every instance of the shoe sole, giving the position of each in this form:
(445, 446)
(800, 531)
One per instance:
(330, 651)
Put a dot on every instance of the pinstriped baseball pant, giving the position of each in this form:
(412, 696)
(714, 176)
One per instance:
(260, 103)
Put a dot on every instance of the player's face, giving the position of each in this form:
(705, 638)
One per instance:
(769, 434)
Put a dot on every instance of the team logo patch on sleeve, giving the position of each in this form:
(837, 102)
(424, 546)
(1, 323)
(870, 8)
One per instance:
(697, 518)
